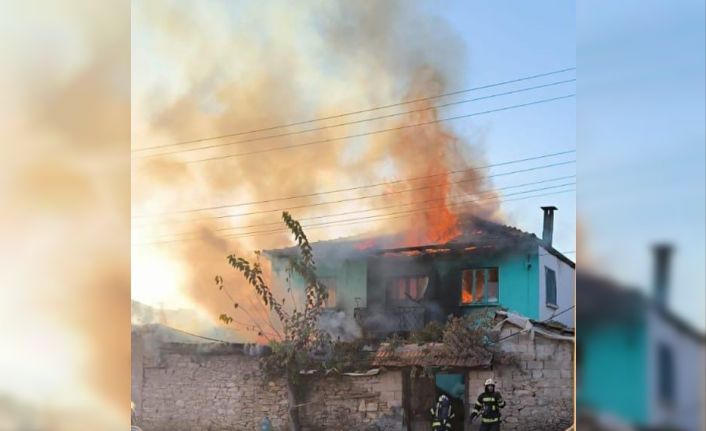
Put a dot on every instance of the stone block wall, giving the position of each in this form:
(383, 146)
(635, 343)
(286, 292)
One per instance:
(187, 388)
(537, 387)
(186, 392)
(354, 403)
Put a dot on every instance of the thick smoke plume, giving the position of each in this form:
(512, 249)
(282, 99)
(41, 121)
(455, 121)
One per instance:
(210, 71)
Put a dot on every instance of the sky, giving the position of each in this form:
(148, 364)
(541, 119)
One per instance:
(486, 45)
(536, 37)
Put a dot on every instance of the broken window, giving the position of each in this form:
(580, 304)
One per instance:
(480, 286)
(401, 289)
(330, 283)
(550, 286)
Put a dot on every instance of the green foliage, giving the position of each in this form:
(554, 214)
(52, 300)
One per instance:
(469, 335)
(433, 332)
(302, 343)
(349, 356)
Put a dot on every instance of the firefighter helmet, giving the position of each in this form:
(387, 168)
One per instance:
(443, 398)
(490, 382)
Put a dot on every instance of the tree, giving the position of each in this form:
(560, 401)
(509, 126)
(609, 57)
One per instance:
(300, 345)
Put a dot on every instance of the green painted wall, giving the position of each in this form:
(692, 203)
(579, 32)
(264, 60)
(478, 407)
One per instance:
(608, 354)
(350, 276)
(518, 279)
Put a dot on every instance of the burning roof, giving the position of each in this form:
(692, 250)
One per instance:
(475, 235)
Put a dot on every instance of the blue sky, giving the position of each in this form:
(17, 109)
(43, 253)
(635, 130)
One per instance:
(535, 37)
(640, 72)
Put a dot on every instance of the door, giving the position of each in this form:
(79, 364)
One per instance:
(419, 396)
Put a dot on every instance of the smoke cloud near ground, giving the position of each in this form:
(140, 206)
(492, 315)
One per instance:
(215, 70)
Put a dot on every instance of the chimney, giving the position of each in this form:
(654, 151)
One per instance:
(663, 254)
(548, 232)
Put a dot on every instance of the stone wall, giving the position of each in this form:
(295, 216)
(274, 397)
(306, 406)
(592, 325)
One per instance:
(538, 387)
(187, 388)
(184, 387)
(354, 403)
(186, 391)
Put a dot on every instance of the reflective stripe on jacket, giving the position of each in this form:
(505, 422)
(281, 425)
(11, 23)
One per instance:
(488, 406)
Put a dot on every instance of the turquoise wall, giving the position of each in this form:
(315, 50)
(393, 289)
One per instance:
(350, 276)
(518, 279)
(608, 354)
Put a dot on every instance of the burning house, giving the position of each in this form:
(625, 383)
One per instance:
(379, 289)
(388, 289)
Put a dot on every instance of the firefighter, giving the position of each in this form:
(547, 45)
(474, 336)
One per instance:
(488, 407)
(442, 414)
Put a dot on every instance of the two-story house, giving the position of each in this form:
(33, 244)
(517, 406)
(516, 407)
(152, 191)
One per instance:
(389, 289)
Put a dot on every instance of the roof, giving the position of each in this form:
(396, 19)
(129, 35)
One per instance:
(476, 234)
(601, 299)
(427, 355)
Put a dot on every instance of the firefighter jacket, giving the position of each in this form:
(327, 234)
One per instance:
(442, 414)
(488, 406)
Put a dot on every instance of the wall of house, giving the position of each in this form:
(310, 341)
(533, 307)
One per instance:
(565, 280)
(686, 410)
(610, 353)
(538, 388)
(517, 279)
(350, 275)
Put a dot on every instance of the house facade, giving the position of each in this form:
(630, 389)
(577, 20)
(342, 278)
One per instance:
(651, 360)
(388, 289)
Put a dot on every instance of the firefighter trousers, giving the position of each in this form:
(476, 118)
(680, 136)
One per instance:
(495, 426)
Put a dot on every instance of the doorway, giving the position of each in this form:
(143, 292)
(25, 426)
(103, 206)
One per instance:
(422, 392)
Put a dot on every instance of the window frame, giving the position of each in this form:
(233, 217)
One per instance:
(554, 304)
(666, 374)
(486, 274)
(407, 277)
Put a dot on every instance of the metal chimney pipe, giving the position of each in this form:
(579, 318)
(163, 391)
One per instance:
(548, 232)
(662, 270)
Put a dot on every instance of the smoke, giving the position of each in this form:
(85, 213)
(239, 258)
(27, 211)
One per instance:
(212, 69)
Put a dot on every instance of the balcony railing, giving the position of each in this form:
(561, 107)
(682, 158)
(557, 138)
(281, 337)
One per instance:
(390, 319)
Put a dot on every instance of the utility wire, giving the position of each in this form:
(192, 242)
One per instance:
(348, 189)
(386, 216)
(373, 196)
(374, 132)
(298, 123)
(360, 220)
(275, 223)
(364, 120)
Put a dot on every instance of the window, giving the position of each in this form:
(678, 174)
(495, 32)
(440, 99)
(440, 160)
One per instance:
(330, 283)
(480, 286)
(665, 369)
(550, 286)
(403, 289)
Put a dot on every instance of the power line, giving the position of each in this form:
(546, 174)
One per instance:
(382, 208)
(386, 183)
(387, 216)
(289, 208)
(358, 135)
(397, 114)
(367, 219)
(298, 123)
